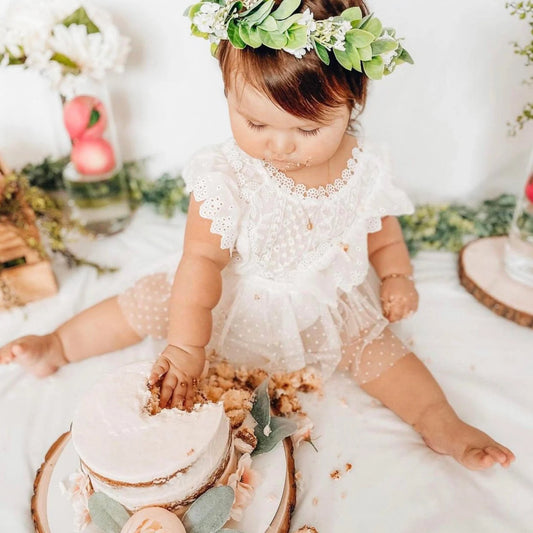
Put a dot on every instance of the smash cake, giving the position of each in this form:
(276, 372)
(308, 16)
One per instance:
(138, 458)
(142, 457)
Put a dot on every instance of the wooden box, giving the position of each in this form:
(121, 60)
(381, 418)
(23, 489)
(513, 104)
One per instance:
(24, 275)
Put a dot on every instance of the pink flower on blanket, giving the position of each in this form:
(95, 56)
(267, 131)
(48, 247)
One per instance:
(78, 489)
(243, 481)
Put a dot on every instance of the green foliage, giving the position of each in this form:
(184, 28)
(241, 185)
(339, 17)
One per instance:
(109, 515)
(524, 11)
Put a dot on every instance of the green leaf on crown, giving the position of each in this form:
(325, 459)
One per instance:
(364, 20)
(233, 35)
(374, 68)
(210, 511)
(273, 40)
(404, 56)
(343, 58)
(80, 17)
(365, 53)
(352, 14)
(269, 24)
(354, 56)
(359, 38)
(250, 35)
(321, 52)
(284, 25)
(286, 8)
(297, 37)
(382, 46)
(106, 513)
(374, 26)
(261, 13)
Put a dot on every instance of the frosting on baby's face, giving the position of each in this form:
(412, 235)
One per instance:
(291, 144)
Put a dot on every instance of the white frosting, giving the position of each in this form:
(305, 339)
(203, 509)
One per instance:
(117, 439)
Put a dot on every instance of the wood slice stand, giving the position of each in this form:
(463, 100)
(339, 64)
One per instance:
(482, 273)
(24, 275)
(41, 486)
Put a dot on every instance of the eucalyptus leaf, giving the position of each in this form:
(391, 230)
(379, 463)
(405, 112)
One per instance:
(374, 26)
(280, 428)
(297, 38)
(405, 56)
(210, 511)
(286, 8)
(365, 53)
(249, 35)
(261, 405)
(273, 39)
(260, 14)
(106, 513)
(343, 59)
(321, 52)
(284, 25)
(364, 20)
(382, 46)
(374, 68)
(269, 24)
(359, 38)
(354, 56)
(352, 13)
(233, 35)
(81, 17)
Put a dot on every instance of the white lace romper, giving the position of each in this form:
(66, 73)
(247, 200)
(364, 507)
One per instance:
(298, 289)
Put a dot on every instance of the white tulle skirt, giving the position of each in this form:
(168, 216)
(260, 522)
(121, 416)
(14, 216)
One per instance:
(260, 323)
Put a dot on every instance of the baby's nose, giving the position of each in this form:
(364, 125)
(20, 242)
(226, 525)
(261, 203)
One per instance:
(281, 145)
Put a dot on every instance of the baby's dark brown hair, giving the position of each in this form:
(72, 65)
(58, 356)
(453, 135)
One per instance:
(306, 87)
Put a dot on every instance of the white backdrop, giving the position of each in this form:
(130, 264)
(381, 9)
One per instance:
(444, 118)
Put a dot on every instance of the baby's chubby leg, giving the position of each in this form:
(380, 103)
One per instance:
(410, 391)
(99, 329)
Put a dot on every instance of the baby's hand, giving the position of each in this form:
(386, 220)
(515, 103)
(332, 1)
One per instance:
(179, 371)
(399, 297)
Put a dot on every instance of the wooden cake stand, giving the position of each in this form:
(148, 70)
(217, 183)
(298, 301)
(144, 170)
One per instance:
(481, 271)
(52, 513)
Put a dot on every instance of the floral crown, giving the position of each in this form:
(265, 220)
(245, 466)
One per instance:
(357, 42)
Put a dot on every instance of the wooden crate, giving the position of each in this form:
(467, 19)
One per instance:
(24, 275)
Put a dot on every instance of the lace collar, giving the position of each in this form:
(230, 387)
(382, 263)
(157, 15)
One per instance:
(287, 184)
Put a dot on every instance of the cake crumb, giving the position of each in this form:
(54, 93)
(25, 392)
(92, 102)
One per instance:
(348, 467)
(343, 495)
(335, 474)
(307, 529)
(315, 501)
(190, 452)
(343, 401)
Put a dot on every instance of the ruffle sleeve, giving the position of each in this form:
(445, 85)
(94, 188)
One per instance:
(380, 197)
(209, 177)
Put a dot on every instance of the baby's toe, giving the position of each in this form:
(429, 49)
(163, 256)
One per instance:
(6, 355)
(477, 459)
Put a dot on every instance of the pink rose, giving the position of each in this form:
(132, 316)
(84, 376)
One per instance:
(78, 489)
(242, 481)
(303, 433)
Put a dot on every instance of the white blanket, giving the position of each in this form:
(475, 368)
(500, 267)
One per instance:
(397, 485)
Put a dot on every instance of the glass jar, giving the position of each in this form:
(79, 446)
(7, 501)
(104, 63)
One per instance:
(518, 257)
(94, 177)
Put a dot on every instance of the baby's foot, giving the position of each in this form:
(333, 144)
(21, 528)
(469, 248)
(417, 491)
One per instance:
(40, 355)
(444, 432)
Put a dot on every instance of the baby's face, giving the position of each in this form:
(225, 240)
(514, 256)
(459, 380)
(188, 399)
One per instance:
(264, 131)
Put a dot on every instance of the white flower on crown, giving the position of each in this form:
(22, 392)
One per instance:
(388, 57)
(210, 20)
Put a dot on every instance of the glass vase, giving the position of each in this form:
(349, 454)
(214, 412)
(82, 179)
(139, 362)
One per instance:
(94, 177)
(518, 256)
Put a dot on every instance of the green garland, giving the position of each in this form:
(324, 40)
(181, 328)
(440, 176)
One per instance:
(431, 227)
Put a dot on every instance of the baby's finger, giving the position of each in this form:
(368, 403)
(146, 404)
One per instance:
(178, 397)
(167, 389)
(159, 369)
(191, 391)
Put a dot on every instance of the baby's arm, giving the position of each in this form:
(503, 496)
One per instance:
(195, 292)
(389, 256)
